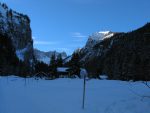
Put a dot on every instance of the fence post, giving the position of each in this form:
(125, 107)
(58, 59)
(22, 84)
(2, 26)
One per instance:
(84, 84)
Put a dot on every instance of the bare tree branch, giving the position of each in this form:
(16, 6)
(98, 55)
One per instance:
(139, 95)
(146, 83)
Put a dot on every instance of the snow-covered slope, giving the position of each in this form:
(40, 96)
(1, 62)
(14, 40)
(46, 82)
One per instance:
(45, 56)
(19, 95)
(101, 35)
(97, 37)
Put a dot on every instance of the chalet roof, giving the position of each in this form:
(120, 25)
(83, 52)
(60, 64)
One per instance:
(62, 69)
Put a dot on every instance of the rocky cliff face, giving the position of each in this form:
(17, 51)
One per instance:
(121, 56)
(17, 27)
(89, 50)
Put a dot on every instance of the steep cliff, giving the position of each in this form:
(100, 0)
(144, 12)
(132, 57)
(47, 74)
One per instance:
(17, 27)
(88, 51)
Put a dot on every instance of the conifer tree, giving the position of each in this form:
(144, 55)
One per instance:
(75, 64)
(53, 65)
(59, 60)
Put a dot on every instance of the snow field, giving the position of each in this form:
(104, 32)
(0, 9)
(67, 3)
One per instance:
(18, 95)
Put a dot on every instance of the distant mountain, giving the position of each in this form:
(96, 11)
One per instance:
(45, 56)
(122, 56)
(94, 39)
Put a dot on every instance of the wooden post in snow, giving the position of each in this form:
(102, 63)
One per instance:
(84, 86)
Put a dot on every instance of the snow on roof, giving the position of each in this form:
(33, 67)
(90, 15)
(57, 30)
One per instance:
(104, 77)
(62, 69)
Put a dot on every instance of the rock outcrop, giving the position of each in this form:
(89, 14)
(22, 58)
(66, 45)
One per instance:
(17, 27)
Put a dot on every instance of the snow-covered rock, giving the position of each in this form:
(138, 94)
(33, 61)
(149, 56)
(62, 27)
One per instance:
(20, 53)
(88, 50)
(101, 35)
(45, 56)
(17, 27)
(97, 37)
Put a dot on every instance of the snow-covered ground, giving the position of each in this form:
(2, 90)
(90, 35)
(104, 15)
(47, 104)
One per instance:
(65, 96)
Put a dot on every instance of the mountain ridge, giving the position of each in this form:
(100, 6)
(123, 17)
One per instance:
(45, 57)
(123, 56)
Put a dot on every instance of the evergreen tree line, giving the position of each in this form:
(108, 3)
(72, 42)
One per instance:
(57, 61)
(9, 62)
(50, 68)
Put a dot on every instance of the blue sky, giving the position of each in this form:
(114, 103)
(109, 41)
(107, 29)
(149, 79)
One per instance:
(64, 25)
